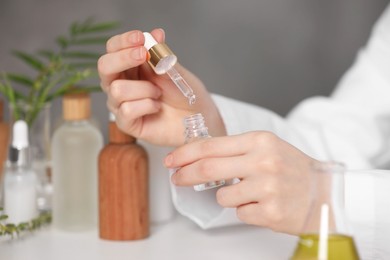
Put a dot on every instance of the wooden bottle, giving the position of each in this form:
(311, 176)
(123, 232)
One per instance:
(123, 188)
(4, 138)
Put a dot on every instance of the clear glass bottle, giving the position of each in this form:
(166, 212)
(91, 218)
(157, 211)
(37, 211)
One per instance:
(75, 148)
(196, 129)
(326, 234)
(20, 181)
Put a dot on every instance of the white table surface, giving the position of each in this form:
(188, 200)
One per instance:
(178, 239)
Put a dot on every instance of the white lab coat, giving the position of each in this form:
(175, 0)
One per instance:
(351, 126)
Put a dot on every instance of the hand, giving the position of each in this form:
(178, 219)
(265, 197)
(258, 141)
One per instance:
(146, 105)
(275, 185)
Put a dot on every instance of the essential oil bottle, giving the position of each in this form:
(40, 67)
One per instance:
(75, 148)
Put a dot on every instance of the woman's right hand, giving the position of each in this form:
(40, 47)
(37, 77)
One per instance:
(146, 105)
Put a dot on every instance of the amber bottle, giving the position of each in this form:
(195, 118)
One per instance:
(4, 138)
(123, 188)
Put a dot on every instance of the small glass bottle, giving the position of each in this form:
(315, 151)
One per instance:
(196, 129)
(326, 234)
(123, 187)
(75, 148)
(20, 181)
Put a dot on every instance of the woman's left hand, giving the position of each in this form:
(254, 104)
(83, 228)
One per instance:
(275, 180)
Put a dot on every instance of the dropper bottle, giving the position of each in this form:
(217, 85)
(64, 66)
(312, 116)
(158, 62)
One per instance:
(20, 181)
(196, 129)
(163, 60)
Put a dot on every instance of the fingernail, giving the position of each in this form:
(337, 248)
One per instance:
(163, 33)
(168, 160)
(139, 54)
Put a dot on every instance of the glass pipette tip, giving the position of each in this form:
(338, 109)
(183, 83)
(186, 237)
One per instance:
(182, 85)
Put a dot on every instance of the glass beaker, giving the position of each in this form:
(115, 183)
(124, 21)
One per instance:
(325, 234)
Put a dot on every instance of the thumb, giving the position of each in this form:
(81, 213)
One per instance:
(158, 34)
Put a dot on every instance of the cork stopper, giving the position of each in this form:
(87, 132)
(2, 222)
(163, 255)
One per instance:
(76, 106)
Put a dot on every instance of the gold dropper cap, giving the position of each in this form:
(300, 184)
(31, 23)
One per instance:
(76, 107)
(160, 57)
(159, 52)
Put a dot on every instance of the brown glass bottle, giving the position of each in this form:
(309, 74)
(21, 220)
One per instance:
(123, 188)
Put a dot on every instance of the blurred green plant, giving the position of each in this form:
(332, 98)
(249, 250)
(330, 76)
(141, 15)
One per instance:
(56, 72)
(12, 229)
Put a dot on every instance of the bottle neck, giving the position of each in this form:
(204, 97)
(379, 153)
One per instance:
(116, 136)
(79, 122)
(195, 128)
(19, 157)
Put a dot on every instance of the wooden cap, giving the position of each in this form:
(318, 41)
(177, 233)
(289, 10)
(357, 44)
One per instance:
(116, 136)
(76, 106)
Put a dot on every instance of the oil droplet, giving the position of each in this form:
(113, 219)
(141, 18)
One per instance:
(191, 99)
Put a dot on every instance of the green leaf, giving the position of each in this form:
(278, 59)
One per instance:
(89, 89)
(21, 79)
(3, 217)
(30, 60)
(47, 54)
(82, 55)
(23, 226)
(3, 91)
(19, 96)
(83, 65)
(99, 27)
(90, 26)
(91, 41)
(62, 41)
(74, 28)
(8, 90)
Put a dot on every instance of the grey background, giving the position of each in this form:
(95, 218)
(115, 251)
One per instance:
(272, 53)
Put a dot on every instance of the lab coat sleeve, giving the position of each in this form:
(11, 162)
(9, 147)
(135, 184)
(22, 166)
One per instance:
(351, 126)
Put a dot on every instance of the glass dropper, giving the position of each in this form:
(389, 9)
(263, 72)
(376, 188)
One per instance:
(163, 61)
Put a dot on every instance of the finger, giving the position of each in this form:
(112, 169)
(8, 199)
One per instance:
(238, 194)
(211, 147)
(158, 34)
(251, 214)
(128, 90)
(109, 65)
(135, 109)
(125, 40)
(129, 115)
(210, 169)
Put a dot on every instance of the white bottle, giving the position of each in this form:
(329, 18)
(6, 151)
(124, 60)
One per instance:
(75, 148)
(20, 181)
(160, 199)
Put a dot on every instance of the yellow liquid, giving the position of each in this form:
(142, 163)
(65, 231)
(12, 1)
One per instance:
(340, 247)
